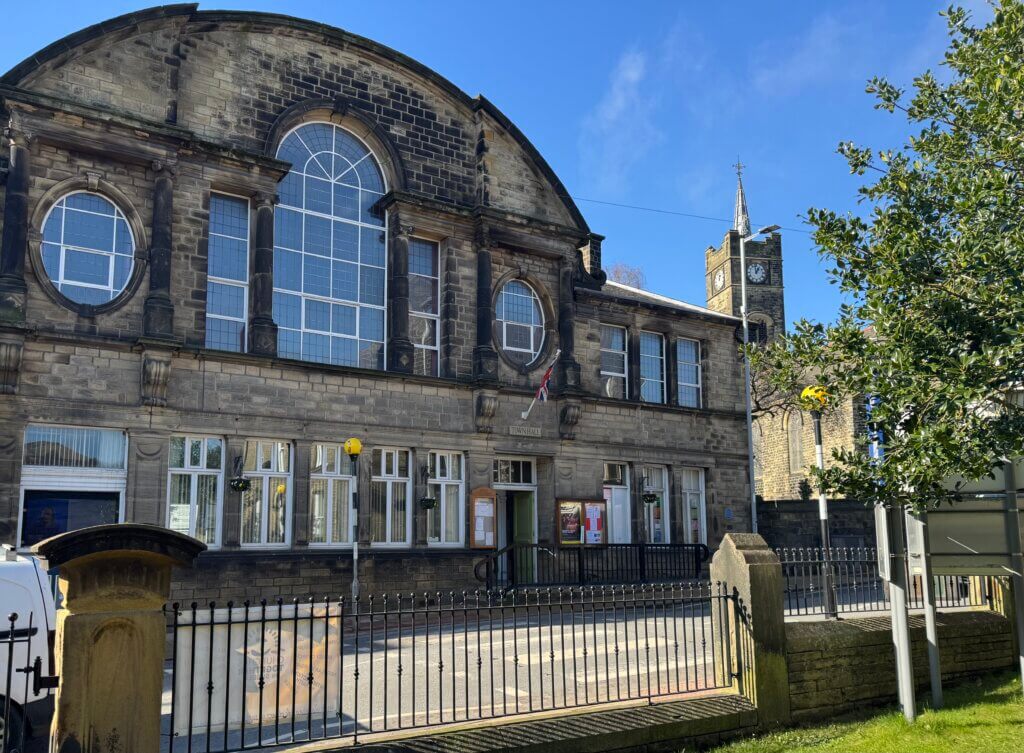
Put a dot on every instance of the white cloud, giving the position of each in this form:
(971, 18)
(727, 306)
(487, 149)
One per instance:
(822, 54)
(620, 130)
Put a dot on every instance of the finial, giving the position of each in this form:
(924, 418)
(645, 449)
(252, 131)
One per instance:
(741, 218)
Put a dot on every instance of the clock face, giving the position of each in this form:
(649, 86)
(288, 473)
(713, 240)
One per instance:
(757, 273)
(719, 279)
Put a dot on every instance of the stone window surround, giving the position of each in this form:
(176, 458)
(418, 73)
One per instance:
(634, 326)
(90, 182)
(550, 319)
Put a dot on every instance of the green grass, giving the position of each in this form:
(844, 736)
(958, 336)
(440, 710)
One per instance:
(986, 716)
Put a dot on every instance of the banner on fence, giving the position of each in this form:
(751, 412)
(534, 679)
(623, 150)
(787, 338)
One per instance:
(293, 649)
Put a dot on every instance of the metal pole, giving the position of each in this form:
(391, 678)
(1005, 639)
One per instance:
(826, 547)
(898, 608)
(928, 594)
(355, 534)
(1017, 576)
(746, 383)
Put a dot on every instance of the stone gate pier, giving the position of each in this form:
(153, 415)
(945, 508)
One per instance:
(110, 639)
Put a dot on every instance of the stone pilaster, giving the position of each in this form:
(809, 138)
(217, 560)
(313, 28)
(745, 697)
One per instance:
(485, 357)
(262, 329)
(400, 347)
(158, 314)
(570, 368)
(14, 241)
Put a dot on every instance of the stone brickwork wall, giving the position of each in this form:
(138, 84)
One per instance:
(178, 103)
(841, 426)
(845, 665)
(794, 523)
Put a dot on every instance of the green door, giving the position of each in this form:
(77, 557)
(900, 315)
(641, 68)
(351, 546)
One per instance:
(523, 517)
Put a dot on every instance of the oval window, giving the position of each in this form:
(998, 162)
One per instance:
(520, 322)
(88, 249)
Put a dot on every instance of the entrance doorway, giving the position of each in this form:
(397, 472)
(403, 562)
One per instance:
(517, 524)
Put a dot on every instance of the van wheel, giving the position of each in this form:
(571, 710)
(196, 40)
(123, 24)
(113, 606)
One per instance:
(10, 734)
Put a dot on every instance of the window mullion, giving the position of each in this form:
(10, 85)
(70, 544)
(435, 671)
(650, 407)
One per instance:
(193, 504)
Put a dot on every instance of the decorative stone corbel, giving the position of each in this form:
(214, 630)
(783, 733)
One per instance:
(568, 417)
(10, 364)
(485, 409)
(156, 373)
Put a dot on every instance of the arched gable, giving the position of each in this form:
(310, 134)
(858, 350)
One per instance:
(229, 76)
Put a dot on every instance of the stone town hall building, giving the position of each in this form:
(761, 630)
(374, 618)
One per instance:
(230, 241)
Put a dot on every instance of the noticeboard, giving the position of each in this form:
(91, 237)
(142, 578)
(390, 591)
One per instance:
(483, 529)
(595, 523)
(582, 522)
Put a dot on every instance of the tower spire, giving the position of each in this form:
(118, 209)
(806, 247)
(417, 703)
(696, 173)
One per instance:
(740, 217)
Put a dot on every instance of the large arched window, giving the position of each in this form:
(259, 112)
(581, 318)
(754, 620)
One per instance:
(330, 253)
(88, 250)
(520, 322)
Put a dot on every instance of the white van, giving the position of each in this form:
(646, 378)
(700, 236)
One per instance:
(24, 590)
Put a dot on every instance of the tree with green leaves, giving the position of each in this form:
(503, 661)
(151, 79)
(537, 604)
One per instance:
(932, 278)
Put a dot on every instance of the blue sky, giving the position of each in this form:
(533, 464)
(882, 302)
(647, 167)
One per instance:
(649, 103)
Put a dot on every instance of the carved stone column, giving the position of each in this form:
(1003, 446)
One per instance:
(158, 314)
(400, 347)
(570, 376)
(262, 329)
(485, 358)
(111, 637)
(14, 242)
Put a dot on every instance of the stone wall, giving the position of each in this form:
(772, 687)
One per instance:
(778, 476)
(845, 665)
(794, 523)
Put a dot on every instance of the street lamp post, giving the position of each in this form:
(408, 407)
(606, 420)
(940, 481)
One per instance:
(746, 367)
(814, 399)
(352, 448)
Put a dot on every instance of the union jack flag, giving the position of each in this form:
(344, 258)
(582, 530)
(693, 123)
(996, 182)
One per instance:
(542, 391)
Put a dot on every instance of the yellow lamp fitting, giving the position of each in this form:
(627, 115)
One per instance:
(814, 397)
(353, 447)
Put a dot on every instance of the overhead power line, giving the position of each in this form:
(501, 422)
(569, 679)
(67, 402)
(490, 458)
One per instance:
(674, 212)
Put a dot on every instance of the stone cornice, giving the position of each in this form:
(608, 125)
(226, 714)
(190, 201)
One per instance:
(155, 142)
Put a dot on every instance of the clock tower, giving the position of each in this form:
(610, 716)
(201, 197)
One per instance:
(765, 306)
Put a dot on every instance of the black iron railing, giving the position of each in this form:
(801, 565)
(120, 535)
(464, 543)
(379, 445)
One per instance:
(15, 639)
(857, 586)
(531, 565)
(260, 675)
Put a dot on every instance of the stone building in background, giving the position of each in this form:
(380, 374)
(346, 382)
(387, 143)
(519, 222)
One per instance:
(231, 241)
(784, 440)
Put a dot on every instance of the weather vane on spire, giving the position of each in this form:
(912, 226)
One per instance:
(741, 218)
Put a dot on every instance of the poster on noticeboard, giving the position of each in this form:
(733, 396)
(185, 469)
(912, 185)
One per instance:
(582, 522)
